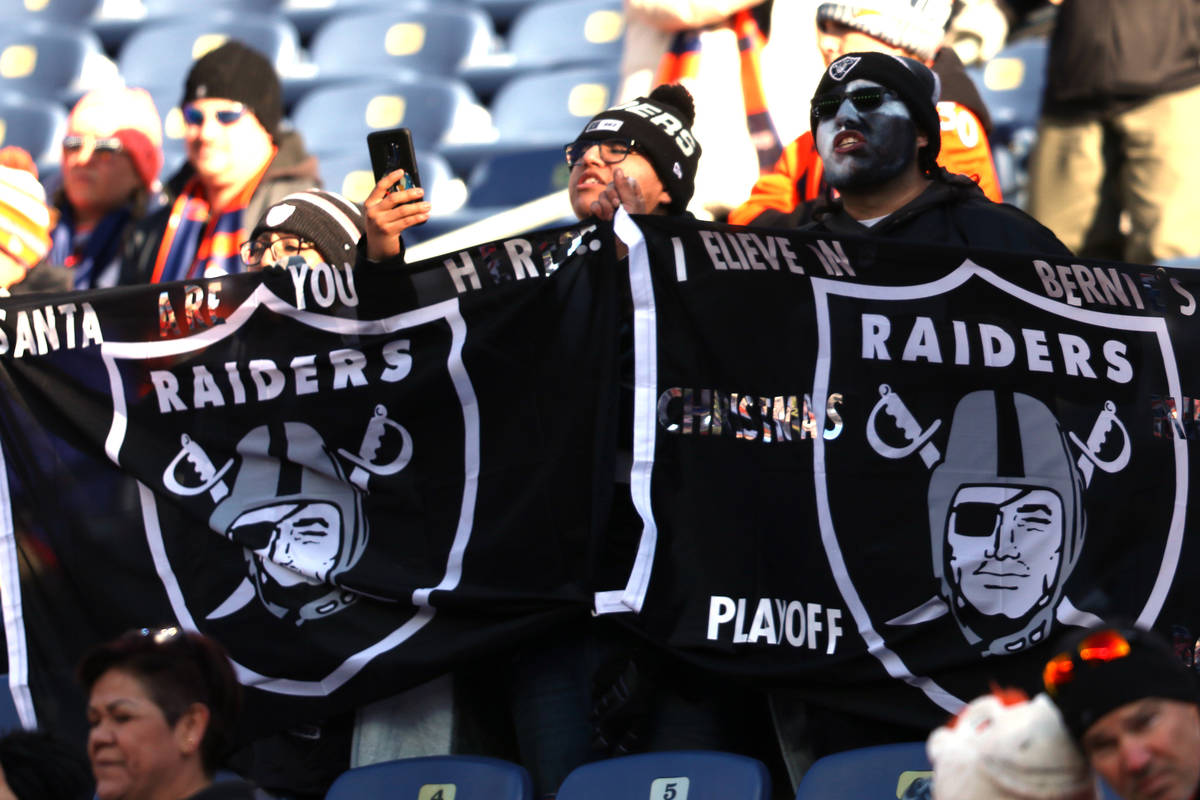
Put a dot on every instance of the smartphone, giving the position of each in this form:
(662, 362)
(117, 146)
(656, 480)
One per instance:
(393, 149)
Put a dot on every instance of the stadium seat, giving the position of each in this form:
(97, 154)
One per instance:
(433, 38)
(539, 109)
(48, 59)
(501, 182)
(1011, 85)
(309, 15)
(35, 124)
(458, 777)
(349, 174)
(690, 774)
(9, 721)
(76, 11)
(171, 8)
(587, 32)
(161, 53)
(339, 117)
(884, 772)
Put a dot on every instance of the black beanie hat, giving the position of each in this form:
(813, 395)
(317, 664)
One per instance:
(240, 73)
(660, 125)
(331, 222)
(917, 85)
(1095, 687)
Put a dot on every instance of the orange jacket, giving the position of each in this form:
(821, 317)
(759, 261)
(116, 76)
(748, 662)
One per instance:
(798, 177)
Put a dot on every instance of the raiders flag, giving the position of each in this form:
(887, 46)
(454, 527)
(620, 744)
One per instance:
(353, 479)
(885, 475)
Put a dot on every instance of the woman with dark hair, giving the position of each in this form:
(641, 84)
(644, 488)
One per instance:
(162, 705)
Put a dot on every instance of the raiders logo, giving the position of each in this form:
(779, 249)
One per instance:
(295, 490)
(1002, 434)
(840, 68)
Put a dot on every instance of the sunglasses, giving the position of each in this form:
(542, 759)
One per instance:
(100, 146)
(226, 116)
(612, 151)
(1097, 648)
(863, 99)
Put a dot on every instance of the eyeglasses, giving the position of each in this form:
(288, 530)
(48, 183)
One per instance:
(281, 248)
(105, 146)
(863, 99)
(226, 116)
(612, 151)
(1100, 647)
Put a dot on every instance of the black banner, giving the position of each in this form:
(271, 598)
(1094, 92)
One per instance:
(351, 479)
(885, 473)
(880, 475)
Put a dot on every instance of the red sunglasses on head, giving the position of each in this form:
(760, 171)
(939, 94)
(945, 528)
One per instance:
(1101, 646)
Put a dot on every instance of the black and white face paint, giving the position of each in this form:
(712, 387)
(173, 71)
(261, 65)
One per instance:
(866, 148)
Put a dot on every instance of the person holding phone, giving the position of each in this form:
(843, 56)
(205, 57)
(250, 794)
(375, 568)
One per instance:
(396, 203)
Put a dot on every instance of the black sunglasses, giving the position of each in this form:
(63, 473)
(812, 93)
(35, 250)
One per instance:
(863, 99)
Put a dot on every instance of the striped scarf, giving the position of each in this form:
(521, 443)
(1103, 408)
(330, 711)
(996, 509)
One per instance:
(682, 60)
(196, 242)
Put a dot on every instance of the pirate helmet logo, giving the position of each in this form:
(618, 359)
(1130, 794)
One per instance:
(1006, 518)
(299, 520)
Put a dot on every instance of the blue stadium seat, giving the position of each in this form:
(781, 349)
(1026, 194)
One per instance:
(172, 8)
(433, 38)
(76, 11)
(161, 53)
(500, 182)
(460, 777)
(46, 58)
(540, 109)
(35, 124)
(309, 15)
(1011, 85)
(694, 774)
(349, 174)
(339, 117)
(9, 721)
(884, 772)
(584, 32)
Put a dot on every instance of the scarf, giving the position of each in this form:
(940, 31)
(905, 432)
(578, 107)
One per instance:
(90, 256)
(196, 242)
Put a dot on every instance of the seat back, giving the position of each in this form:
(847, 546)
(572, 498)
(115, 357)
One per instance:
(552, 107)
(435, 778)
(434, 39)
(509, 179)
(349, 174)
(76, 11)
(884, 772)
(339, 117)
(161, 53)
(45, 57)
(35, 124)
(583, 31)
(672, 775)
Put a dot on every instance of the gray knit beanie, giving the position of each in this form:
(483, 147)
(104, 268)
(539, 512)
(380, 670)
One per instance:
(916, 26)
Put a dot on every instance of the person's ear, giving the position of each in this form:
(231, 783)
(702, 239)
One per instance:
(922, 140)
(191, 727)
(664, 200)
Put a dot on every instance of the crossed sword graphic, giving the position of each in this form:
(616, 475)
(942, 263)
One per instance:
(919, 441)
(212, 480)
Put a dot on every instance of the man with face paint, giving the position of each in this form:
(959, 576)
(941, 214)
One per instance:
(785, 196)
(876, 126)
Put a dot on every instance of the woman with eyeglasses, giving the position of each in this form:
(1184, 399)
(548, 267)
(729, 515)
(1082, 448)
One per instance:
(111, 157)
(162, 706)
